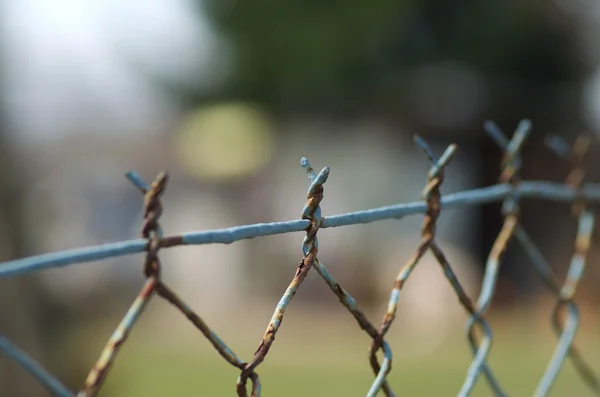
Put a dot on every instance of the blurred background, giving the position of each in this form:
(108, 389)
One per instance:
(227, 96)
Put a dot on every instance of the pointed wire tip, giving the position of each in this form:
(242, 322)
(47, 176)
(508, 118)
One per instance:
(448, 155)
(443, 161)
(162, 178)
(524, 127)
(519, 137)
(308, 169)
(526, 123)
(557, 144)
(489, 124)
(424, 146)
(494, 132)
(137, 181)
(323, 175)
(450, 150)
(160, 183)
(418, 139)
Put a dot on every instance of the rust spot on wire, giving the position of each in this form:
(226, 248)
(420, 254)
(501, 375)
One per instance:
(171, 241)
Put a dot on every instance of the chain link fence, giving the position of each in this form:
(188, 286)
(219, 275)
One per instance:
(565, 316)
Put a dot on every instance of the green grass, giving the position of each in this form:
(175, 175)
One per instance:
(332, 361)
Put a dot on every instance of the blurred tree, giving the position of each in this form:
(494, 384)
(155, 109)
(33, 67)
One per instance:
(347, 53)
(309, 51)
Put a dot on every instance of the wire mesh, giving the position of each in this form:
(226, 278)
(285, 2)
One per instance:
(510, 189)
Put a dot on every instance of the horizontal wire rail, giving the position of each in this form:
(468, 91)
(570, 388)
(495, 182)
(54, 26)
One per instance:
(530, 189)
(510, 190)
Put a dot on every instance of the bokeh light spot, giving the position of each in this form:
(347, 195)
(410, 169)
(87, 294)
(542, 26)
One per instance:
(225, 141)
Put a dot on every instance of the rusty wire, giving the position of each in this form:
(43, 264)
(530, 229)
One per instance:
(432, 196)
(309, 245)
(566, 327)
(565, 314)
(152, 212)
(166, 293)
(510, 167)
(311, 212)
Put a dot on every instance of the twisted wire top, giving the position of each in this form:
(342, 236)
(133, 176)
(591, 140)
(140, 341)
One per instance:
(150, 228)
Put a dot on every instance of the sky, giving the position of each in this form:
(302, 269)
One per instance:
(69, 62)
